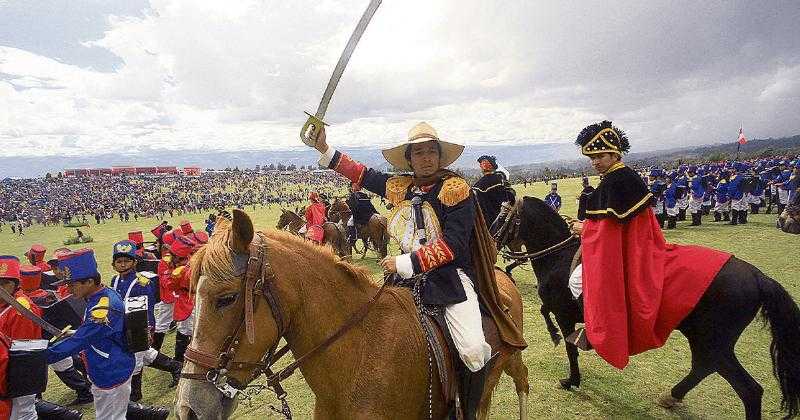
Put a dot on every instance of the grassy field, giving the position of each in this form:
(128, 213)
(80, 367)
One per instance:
(605, 392)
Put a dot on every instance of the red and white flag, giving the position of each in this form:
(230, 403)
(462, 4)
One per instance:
(742, 138)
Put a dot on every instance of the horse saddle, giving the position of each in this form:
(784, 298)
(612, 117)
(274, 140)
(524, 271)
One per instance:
(442, 348)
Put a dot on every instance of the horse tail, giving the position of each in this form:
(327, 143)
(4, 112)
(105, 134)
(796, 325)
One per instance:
(780, 311)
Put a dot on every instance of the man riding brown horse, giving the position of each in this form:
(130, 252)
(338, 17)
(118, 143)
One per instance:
(438, 225)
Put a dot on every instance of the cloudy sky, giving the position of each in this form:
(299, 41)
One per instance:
(80, 77)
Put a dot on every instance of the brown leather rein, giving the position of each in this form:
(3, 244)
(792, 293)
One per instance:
(259, 279)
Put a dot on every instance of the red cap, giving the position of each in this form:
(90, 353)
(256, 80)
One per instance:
(136, 237)
(170, 236)
(9, 267)
(182, 247)
(30, 277)
(186, 227)
(201, 237)
(158, 230)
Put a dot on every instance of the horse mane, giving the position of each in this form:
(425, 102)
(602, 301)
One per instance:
(536, 209)
(216, 260)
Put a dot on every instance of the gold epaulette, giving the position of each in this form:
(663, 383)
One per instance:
(99, 312)
(396, 188)
(144, 281)
(454, 190)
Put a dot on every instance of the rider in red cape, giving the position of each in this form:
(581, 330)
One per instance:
(637, 287)
(315, 218)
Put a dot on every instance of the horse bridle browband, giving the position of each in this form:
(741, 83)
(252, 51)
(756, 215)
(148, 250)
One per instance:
(259, 279)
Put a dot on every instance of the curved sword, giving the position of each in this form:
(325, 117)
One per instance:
(315, 122)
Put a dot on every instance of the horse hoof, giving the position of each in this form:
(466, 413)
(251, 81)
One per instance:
(567, 384)
(666, 400)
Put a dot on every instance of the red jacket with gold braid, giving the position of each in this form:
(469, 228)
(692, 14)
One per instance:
(16, 326)
(454, 207)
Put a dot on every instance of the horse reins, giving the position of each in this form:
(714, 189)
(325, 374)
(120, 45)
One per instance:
(509, 232)
(259, 280)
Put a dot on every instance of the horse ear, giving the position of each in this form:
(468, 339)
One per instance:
(242, 232)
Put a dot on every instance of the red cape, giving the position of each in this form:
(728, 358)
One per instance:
(315, 217)
(637, 288)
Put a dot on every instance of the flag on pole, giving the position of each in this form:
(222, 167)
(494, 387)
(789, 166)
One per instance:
(742, 138)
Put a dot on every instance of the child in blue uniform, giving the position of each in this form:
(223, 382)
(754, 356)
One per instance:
(100, 340)
(131, 283)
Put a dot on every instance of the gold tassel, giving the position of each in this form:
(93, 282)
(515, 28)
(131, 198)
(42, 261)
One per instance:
(454, 191)
(396, 188)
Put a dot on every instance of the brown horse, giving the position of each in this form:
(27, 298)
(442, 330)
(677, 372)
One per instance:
(378, 369)
(334, 233)
(374, 235)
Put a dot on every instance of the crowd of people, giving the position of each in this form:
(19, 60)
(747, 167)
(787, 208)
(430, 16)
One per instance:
(728, 191)
(117, 327)
(52, 200)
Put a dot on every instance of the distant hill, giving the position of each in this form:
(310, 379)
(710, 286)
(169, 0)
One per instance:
(530, 157)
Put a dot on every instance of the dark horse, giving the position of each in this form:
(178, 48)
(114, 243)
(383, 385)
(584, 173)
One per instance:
(728, 306)
(374, 235)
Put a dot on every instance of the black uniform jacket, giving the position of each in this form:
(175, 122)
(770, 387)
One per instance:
(361, 206)
(456, 216)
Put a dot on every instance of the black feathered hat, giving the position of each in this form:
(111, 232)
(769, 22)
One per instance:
(602, 138)
(491, 159)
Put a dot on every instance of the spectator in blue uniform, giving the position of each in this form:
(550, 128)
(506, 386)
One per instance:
(553, 199)
(131, 283)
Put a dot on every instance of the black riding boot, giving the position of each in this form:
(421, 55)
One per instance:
(136, 387)
(717, 216)
(781, 208)
(472, 389)
(671, 222)
(754, 208)
(158, 340)
(46, 410)
(142, 412)
(77, 382)
(726, 216)
(165, 363)
(734, 217)
(694, 219)
(682, 214)
(742, 217)
(181, 342)
(699, 218)
(661, 219)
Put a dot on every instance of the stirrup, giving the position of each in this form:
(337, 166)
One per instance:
(579, 340)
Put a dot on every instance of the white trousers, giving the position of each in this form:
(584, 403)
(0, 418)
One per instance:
(740, 204)
(163, 313)
(576, 281)
(672, 211)
(62, 364)
(783, 196)
(112, 404)
(755, 199)
(682, 203)
(464, 321)
(186, 326)
(24, 408)
(144, 358)
(722, 207)
(695, 205)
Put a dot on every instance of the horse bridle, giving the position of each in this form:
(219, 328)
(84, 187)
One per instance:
(259, 279)
(509, 232)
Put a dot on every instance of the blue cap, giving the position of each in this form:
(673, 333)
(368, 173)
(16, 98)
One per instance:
(77, 266)
(124, 248)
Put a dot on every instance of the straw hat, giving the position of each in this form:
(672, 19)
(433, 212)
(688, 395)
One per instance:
(422, 133)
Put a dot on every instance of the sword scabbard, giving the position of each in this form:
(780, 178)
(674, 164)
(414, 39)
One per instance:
(311, 129)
